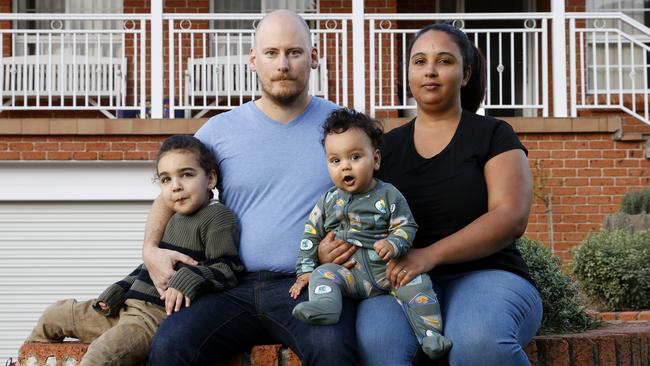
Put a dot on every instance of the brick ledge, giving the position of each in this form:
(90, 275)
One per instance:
(71, 126)
(611, 345)
(96, 126)
(622, 316)
(606, 124)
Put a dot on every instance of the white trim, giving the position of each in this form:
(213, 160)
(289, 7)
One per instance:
(358, 57)
(559, 59)
(77, 181)
(156, 58)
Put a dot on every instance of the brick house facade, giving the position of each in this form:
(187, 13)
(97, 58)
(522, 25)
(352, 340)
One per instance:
(581, 165)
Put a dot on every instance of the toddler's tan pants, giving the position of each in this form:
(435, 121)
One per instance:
(121, 340)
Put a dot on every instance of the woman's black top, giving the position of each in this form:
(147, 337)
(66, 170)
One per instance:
(448, 191)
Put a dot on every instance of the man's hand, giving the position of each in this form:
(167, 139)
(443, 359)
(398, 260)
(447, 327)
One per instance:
(384, 249)
(160, 264)
(174, 300)
(297, 287)
(102, 305)
(332, 250)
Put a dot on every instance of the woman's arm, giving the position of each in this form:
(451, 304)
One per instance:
(160, 262)
(509, 186)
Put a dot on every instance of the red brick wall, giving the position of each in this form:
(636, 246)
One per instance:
(585, 176)
(5, 7)
(575, 5)
(98, 147)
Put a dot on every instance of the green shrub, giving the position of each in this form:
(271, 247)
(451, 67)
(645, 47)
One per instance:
(632, 203)
(562, 310)
(645, 201)
(613, 268)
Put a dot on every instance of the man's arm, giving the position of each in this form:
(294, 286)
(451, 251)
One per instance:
(160, 262)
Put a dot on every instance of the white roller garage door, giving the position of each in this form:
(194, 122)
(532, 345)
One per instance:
(66, 230)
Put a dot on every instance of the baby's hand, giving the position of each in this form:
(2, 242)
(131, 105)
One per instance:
(301, 282)
(384, 249)
(174, 300)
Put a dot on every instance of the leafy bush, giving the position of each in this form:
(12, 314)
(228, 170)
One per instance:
(562, 310)
(634, 203)
(631, 203)
(645, 206)
(613, 268)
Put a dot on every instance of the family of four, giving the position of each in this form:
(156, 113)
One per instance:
(417, 232)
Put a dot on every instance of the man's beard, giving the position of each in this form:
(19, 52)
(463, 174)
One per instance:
(286, 96)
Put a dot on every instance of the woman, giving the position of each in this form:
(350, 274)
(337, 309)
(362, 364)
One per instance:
(467, 181)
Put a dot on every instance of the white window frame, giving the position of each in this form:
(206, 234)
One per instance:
(19, 40)
(265, 6)
(592, 6)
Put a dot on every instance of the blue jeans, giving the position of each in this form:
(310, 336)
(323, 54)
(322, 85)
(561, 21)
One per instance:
(489, 315)
(257, 311)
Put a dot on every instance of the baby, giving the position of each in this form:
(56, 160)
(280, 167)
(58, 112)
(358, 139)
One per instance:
(374, 216)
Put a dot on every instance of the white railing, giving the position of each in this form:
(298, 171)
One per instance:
(609, 67)
(515, 46)
(72, 65)
(208, 69)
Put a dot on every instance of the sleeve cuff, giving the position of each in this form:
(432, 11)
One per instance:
(398, 249)
(187, 282)
(113, 296)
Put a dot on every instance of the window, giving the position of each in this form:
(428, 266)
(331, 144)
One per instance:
(248, 6)
(636, 9)
(26, 43)
(603, 52)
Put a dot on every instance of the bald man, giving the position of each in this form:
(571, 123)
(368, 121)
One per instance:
(272, 171)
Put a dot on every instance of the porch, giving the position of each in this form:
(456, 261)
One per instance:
(179, 65)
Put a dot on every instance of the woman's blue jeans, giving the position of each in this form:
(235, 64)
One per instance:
(489, 315)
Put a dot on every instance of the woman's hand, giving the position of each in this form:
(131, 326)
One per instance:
(174, 300)
(400, 271)
(301, 282)
(337, 251)
(160, 264)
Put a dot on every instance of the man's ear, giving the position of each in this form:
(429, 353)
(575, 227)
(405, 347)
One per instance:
(314, 58)
(251, 59)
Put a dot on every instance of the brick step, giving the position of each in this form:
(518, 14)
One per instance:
(613, 345)
(69, 354)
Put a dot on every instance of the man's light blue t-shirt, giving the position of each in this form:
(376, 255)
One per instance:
(271, 175)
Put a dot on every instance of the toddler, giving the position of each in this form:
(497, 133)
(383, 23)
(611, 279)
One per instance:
(121, 322)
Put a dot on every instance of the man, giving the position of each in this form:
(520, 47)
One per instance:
(272, 169)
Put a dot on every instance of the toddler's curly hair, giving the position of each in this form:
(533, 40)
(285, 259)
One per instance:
(344, 119)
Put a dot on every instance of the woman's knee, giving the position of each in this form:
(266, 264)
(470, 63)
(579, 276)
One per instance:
(476, 348)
